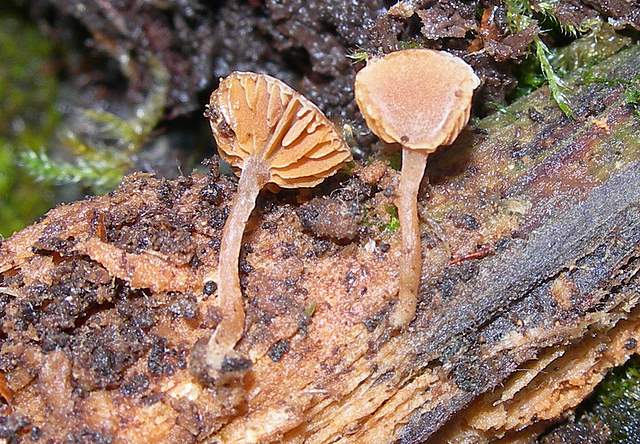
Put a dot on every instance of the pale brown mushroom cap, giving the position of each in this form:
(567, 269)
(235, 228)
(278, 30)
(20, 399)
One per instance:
(257, 115)
(419, 98)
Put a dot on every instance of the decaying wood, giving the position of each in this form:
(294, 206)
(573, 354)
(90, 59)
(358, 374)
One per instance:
(104, 306)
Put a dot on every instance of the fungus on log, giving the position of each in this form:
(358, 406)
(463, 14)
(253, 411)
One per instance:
(273, 135)
(502, 345)
(421, 99)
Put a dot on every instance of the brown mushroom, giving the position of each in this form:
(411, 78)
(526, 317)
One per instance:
(276, 136)
(421, 99)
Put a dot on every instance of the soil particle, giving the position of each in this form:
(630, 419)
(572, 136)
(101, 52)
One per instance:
(350, 281)
(373, 173)
(185, 306)
(36, 433)
(11, 428)
(136, 385)
(212, 193)
(164, 233)
(278, 350)
(162, 359)
(450, 18)
(87, 436)
(535, 115)
(320, 247)
(329, 218)
(218, 217)
(372, 322)
(338, 217)
(631, 344)
(465, 222)
(210, 288)
(103, 356)
(233, 365)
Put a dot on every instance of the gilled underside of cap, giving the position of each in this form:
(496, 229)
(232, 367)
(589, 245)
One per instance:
(419, 98)
(257, 115)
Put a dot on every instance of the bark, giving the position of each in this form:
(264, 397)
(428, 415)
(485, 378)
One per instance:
(531, 252)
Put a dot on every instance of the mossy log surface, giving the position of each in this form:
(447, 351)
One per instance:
(531, 245)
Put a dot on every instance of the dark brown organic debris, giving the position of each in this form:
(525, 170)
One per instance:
(451, 18)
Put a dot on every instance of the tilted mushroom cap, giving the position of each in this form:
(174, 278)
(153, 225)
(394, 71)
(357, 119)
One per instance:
(255, 114)
(417, 97)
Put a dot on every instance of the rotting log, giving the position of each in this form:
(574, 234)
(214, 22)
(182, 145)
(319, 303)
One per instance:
(531, 245)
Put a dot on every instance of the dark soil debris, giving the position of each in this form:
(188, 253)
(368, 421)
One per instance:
(277, 350)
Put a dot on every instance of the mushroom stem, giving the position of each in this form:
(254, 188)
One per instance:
(413, 166)
(227, 334)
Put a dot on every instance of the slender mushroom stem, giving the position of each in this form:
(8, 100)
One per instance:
(227, 334)
(413, 166)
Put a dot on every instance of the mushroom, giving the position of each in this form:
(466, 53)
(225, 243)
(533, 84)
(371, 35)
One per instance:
(421, 99)
(274, 136)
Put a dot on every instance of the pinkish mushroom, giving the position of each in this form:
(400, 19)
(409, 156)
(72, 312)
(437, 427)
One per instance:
(273, 135)
(421, 99)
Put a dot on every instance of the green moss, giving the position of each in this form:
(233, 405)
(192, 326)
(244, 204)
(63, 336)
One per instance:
(21, 200)
(622, 383)
(410, 44)
(632, 99)
(102, 155)
(358, 56)
(394, 223)
(556, 85)
(310, 309)
(393, 159)
(598, 41)
(519, 18)
(28, 118)
(631, 88)
(601, 42)
(502, 109)
(616, 402)
(529, 77)
(547, 9)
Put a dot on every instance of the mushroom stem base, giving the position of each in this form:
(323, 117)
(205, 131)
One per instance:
(413, 166)
(221, 356)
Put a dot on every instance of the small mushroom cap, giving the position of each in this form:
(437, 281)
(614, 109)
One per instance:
(257, 115)
(419, 98)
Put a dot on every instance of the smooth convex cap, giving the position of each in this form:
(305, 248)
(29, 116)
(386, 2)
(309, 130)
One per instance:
(419, 98)
(257, 115)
